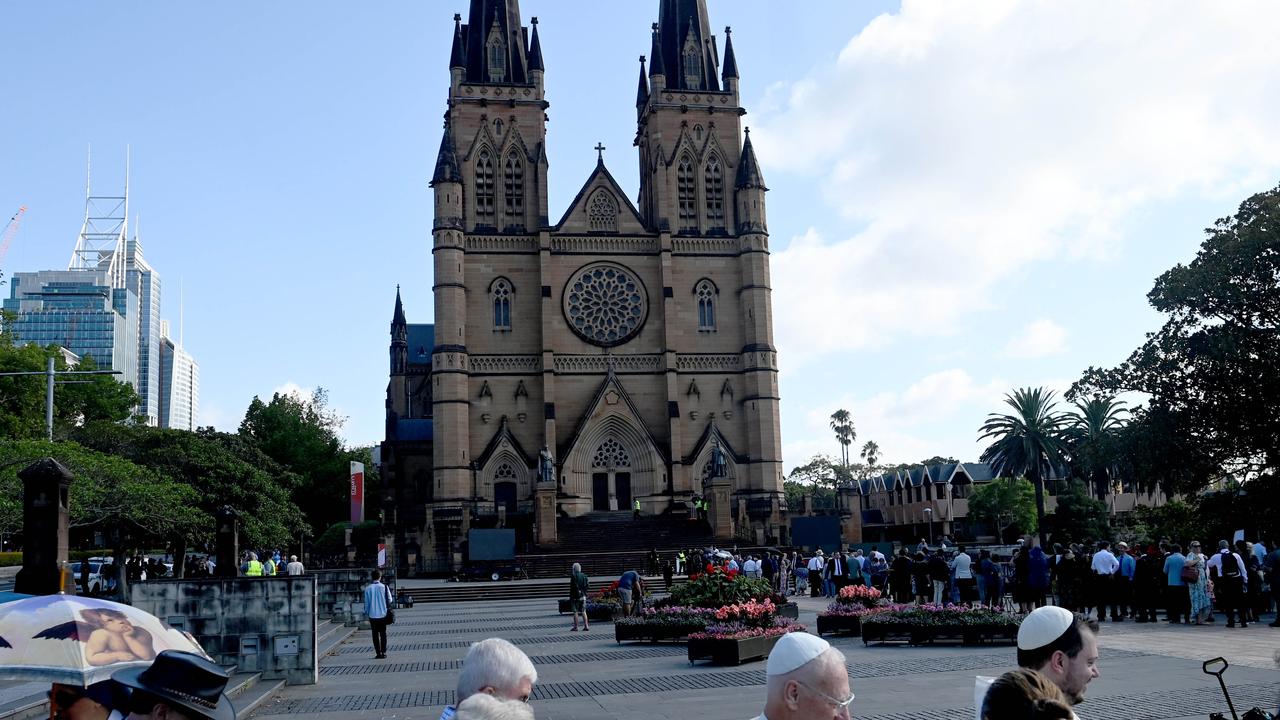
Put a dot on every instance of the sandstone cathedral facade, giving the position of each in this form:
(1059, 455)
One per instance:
(621, 353)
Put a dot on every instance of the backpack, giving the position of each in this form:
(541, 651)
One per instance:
(1229, 567)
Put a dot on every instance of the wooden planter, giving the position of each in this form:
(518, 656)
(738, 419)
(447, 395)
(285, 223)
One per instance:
(838, 624)
(731, 652)
(789, 610)
(654, 633)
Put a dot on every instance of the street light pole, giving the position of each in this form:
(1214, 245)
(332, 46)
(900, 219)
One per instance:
(50, 374)
(929, 514)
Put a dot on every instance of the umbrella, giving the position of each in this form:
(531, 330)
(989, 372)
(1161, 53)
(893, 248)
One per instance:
(80, 641)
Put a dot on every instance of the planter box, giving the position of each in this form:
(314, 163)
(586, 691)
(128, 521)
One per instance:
(654, 633)
(836, 624)
(963, 634)
(731, 652)
(789, 610)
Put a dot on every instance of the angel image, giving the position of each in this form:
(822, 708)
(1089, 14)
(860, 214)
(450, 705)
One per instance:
(108, 636)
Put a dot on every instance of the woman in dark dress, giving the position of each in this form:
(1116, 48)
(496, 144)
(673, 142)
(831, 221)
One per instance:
(920, 575)
(900, 577)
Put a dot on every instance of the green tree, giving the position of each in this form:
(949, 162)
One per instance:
(1026, 442)
(1212, 370)
(842, 424)
(1093, 439)
(1175, 519)
(871, 454)
(1003, 503)
(1080, 517)
(302, 435)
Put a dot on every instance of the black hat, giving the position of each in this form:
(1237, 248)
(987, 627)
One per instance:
(185, 680)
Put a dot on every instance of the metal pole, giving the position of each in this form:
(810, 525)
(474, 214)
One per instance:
(48, 402)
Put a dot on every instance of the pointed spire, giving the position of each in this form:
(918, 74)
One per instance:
(655, 55)
(642, 91)
(457, 58)
(730, 62)
(447, 161)
(397, 319)
(749, 175)
(535, 48)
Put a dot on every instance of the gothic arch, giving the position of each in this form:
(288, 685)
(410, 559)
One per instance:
(502, 295)
(602, 211)
(646, 465)
(700, 460)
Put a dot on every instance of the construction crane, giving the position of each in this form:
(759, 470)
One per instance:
(9, 231)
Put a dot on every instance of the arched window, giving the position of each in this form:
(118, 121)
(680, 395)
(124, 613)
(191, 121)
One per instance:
(705, 292)
(500, 292)
(504, 472)
(687, 195)
(602, 211)
(611, 454)
(496, 53)
(714, 185)
(513, 190)
(484, 188)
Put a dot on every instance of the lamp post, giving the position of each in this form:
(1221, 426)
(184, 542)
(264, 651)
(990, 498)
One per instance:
(929, 519)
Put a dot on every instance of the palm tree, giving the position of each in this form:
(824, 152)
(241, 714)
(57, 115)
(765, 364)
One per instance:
(1028, 442)
(1092, 434)
(871, 453)
(842, 423)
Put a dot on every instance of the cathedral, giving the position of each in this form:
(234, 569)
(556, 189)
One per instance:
(619, 356)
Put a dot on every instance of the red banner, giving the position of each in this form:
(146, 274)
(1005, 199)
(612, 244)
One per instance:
(357, 492)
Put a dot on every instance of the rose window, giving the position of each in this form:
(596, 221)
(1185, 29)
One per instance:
(605, 304)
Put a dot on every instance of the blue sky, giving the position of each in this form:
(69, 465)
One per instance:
(966, 197)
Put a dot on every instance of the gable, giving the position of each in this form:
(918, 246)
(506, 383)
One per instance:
(601, 207)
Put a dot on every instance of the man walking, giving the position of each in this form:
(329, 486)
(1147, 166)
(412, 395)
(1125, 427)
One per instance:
(377, 606)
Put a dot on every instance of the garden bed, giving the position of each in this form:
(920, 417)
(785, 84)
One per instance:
(730, 651)
(655, 632)
(930, 624)
(839, 624)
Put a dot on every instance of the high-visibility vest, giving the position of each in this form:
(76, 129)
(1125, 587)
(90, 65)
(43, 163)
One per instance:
(255, 569)
(636, 505)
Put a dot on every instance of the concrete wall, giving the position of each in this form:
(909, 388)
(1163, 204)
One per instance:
(340, 594)
(265, 625)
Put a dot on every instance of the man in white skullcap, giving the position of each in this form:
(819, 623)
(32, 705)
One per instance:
(806, 679)
(1062, 646)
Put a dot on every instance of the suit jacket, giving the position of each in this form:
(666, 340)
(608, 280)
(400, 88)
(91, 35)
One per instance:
(837, 568)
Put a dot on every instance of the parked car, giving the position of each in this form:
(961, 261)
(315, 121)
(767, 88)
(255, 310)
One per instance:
(97, 582)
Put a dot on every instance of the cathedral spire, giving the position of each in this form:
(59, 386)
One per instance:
(397, 318)
(730, 62)
(458, 57)
(399, 338)
(749, 175)
(447, 170)
(655, 55)
(535, 48)
(687, 46)
(642, 91)
(495, 44)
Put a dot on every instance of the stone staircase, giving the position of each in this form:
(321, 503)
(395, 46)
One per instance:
(610, 543)
(514, 589)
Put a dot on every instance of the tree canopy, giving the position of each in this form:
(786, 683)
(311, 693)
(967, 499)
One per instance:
(1005, 504)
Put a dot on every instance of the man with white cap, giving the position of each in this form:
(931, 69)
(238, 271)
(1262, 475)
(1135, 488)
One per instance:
(806, 678)
(1062, 646)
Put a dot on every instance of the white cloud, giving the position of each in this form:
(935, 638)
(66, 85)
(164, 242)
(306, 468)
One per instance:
(1040, 338)
(968, 141)
(293, 388)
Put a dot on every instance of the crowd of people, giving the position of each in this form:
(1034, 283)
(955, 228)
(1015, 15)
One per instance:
(272, 563)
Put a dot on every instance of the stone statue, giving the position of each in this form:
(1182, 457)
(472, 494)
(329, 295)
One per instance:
(718, 467)
(546, 466)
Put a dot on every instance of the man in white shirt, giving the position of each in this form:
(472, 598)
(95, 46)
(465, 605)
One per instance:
(1230, 580)
(749, 567)
(962, 566)
(1104, 569)
(816, 563)
(294, 567)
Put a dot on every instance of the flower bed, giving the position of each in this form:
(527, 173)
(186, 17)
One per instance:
(852, 604)
(668, 623)
(922, 624)
(734, 643)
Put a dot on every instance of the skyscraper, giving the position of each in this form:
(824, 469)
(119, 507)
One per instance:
(179, 383)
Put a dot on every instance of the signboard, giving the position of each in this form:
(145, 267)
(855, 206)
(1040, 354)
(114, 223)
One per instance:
(357, 492)
(491, 544)
(822, 531)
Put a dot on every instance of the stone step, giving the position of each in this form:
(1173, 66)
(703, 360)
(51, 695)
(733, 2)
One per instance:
(514, 590)
(250, 696)
(333, 636)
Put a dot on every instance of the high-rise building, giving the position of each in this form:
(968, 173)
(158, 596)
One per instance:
(620, 358)
(80, 311)
(179, 383)
(143, 281)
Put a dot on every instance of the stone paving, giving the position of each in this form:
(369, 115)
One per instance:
(1148, 672)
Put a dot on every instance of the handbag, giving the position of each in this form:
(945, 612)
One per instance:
(391, 611)
(1191, 573)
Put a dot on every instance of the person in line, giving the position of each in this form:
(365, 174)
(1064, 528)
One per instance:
(1062, 646)
(1228, 572)
(487, 707)
(992, 580)
(1177, 600)
(939, 574)
(177, 686)
(578, 592)
(1025, 694)
(805, 678)
(962, 566)
(1104, 567)
(253, 568)
(920, 578)
(1195, 574)
(294, 568)
(816, 565)
(377, 607)
(900, 577)
(1123, 580)
(835, 574)
(493, 667)
(1252, 581)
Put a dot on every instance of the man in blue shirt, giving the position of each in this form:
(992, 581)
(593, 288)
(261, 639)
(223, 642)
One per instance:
(630, 587)
(1124, 580)
(1177, 600)
(376, 606)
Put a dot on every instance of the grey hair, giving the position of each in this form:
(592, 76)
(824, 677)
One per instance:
(483, 706)
(493, 663)
(577, 567)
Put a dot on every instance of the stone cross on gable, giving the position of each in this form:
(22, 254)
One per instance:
(599, 148)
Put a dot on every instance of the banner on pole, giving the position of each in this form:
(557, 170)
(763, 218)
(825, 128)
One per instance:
(382, 555)
(357, 492)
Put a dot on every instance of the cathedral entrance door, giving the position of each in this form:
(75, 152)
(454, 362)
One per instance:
(600, 491)
(504, 496)
(622, 481)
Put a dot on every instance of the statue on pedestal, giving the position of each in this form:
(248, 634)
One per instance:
(546, 466)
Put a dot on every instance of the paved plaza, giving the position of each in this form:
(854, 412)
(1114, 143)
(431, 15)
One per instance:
(1147, 672)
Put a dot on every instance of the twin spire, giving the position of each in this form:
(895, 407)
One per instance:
(493, 47)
